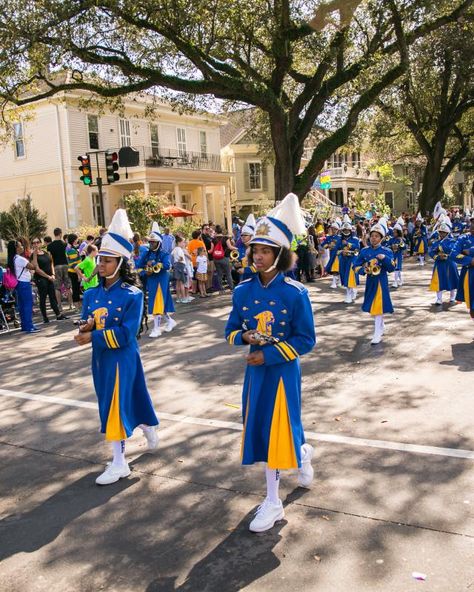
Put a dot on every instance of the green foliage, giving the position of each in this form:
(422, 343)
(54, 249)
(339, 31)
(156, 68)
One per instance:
(364, 202)
(84, 230)
(143, 210)
(22, 220)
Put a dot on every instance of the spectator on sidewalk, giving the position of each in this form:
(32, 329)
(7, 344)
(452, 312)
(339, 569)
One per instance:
(21, 268)
(85, 269)
(222, 246)
(57, 248)
(73, 259)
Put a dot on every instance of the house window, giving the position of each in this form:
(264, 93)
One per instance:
(155, 144)
(389, 199)
(203, 144)
(93, 127)
(19, 140)
(98, 210)
(255, 176)
(181, 134)
(125, 138)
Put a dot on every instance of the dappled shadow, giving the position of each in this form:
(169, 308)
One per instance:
(463, 357)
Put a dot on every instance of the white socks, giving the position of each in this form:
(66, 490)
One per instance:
(273, 483)
(118, 449)
(379, 325)
(157, 321)
(452, 295)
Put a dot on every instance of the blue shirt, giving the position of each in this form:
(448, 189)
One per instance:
(168, 243)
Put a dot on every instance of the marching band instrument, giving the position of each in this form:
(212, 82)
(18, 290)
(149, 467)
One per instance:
(265, 338)
(234, 256)
(372, 267)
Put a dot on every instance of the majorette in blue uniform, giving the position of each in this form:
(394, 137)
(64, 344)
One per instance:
(332, 243)
(463, 254)
(445, 273)
(153, 267)
(420, 240)
(458, 226)
(349, 247)
(246, 233)
(113, 311)
(397, 245)
(376, 262)
(279, 310)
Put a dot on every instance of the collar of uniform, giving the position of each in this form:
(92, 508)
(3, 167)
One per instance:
(115, 284)
(278, 275)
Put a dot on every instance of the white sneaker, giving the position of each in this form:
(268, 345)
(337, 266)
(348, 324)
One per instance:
(113, 473)
(348, 299)
(266, 516)
(151, 436)
(333, 285)
(394, 285)
(354, 294)
(438, 302)
(170, 325)
(377, 338)
(306, 473)
(155, 333)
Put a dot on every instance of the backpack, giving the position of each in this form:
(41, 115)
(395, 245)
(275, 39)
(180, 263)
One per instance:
(218, 252)
(9, 280)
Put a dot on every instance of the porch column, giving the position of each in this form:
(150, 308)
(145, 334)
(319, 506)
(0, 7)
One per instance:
(146, 188)
(344, 194)
(205, 215)
(177, 196)
(228, 210)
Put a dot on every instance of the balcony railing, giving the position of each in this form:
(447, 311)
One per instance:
(352, 173)
(172, 158)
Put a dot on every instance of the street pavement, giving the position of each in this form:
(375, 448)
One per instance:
(393, 494)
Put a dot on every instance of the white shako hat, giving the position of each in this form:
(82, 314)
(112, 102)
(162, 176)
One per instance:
(446, 220)
(347, 223)
(444, 227)
(399, 224)
(249, 226)
(155, 234)
(280, 224)
(419, 217)
(381, 226)
(337, 223)
(438, 210)
(116, 242)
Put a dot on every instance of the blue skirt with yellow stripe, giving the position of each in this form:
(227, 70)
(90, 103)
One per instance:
(160, 300)
(465, 286)
(349, 279)
(445, 275)
(377, 299)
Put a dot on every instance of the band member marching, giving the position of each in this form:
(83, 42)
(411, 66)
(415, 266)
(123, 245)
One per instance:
(242, 266)
(397, 245)
(332, 242)
(111, 316)
(445, 273)
(463, 254)
(349, 247)
(154, 266)
(376, 262)
(420, 241)
(272, 313)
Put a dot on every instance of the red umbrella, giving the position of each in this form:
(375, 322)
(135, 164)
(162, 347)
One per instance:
(177, 212)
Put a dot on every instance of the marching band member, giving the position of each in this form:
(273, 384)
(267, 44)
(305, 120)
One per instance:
(111, 315)
(154, 266)
(458, 225)
(349, 248)
(376, 261)
(332, 242)
(246, 234)
(272, 313)
(420, 247)
(445, 273)
(397, 245)
(463, 254)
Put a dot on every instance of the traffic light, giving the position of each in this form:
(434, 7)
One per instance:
(85, 169)
(111, 166)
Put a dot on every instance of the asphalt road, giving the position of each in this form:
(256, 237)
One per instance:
(394, 470)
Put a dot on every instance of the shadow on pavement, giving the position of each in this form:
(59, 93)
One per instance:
(463, 354)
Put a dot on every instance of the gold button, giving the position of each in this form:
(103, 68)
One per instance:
(284, 311)
(116, 319)
(119, 308)
(244, 308)
(272, 303)
(109, 302)
(281, 334)
(256, 301)
(283, 323)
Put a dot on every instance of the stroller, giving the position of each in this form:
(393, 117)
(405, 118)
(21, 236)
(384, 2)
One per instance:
(8, 315)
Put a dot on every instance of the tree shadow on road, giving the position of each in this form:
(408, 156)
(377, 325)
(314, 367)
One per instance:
(463, 356)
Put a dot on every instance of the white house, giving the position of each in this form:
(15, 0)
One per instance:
(178, 155)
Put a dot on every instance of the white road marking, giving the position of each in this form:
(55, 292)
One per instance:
(230, 425)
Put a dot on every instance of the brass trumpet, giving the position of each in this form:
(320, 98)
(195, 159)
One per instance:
(372, 267)
(157, 267)
(234, 256)
(347, 252)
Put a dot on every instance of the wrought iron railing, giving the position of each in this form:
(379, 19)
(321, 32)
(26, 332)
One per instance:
(175, 158)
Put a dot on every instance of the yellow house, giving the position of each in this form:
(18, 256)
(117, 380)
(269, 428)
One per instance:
(178, 155)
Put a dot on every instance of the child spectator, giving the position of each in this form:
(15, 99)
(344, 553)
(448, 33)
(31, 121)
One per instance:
(201, 271)
(180, 274)
(85, 269)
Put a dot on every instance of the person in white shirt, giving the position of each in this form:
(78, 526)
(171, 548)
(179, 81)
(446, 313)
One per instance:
(180, 273)
(201, 271)
(20, 267)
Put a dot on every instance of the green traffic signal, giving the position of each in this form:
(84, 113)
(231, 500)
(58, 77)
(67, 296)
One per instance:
(85, 169)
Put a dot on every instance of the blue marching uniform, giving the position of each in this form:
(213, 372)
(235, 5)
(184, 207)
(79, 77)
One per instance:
(397, 246)
(332, 242)
(463, 253)
(445, 273)
(458, 228)
(377, 299)
(119, 381)
(420, 241)
(349, 279)
(271, 397)
(157, 284)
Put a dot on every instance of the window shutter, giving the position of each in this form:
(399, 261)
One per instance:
(247, 177)
(264, 178)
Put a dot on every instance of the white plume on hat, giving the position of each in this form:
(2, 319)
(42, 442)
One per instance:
(399, 224)
(249, 226)
(116, 242)
(155, 234)
(347, 223)
(337, 223)
(280, 224)
(438, 210)
(419, 216)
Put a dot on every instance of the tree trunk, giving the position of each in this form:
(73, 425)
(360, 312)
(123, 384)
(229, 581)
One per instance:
(283, 171)
(432, 190)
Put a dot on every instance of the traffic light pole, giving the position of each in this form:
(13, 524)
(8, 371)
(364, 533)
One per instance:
(99, 182)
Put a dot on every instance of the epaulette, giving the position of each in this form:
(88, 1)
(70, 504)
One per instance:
(242, 282)
(295, 284)
(130, 288)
